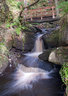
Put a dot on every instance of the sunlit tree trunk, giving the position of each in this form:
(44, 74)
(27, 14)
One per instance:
(57, 9)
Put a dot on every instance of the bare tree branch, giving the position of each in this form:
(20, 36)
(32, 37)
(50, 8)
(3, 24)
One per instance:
(32, 4)
(28, 7)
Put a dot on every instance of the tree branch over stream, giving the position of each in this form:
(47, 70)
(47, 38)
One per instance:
(28, 7)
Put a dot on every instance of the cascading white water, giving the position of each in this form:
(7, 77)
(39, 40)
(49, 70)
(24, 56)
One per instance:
(24, 79)
(38, 47)
(39, 44)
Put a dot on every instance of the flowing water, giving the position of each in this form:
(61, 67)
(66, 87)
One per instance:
(33, 77)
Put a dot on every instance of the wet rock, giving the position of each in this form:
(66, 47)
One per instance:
(25, 42)
(3, 58)
(6, 36)
(64, 30)
(4, 50)
(18, 43)
(14, 57)
(9, 38)
(59, 55)
(3, 62)
(52, 38)
(45, 55)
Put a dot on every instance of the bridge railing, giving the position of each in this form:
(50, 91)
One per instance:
(39, 13)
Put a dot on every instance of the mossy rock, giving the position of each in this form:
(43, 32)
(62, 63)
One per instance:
(4, 50)
(64, 75)
(45, 55)
(6, 36)
(3, 62)
(64, 29)
(59, 55)
(52, 38)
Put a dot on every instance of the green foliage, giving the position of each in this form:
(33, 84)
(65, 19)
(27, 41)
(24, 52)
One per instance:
(64, 73)
(15, 4)
(12, 3)
(17, 25)
(8, 25)
(19, 4)
(18, 30)
(41, 3)
(1, 43)
(64, 6)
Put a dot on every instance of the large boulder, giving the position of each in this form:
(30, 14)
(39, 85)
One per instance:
(9, 38)
(45, 55)
(24, 42)
(3, 58)
(64, 30)
(59, 36)
(52, 38)
(3, 62)
(6, 36)
(59, 55)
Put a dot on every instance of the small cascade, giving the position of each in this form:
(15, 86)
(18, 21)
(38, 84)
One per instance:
(24, 79)
(30, 77)
(39, 44)
(38, 47)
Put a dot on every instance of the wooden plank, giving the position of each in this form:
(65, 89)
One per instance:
(40, 12)
(46, 20)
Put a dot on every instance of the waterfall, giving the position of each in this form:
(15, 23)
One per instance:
(39, 44)
(30, 72)
(38, 47)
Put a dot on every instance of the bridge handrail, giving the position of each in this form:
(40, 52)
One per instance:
(42, 11)
(40, 8)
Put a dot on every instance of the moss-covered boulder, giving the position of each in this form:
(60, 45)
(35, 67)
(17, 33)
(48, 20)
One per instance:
(45, 55)
(59, 55)
(64, 75)
(3, 50)
(3, 57)
(64, 29)
(6, 36)
(52, 38)
(3, 62)
(24, 41)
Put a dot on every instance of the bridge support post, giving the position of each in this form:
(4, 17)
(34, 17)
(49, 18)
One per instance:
(53, 12)
(41, 14)
(31, 19)
(41, 18)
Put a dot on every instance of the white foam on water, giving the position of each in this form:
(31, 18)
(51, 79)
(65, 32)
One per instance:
(25, 79)
(22, 79)
(34, 54)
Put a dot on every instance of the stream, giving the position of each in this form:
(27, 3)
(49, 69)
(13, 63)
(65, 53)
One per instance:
(33, 77)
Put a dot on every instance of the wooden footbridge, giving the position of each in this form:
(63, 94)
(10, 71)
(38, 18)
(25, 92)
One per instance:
(40, 14)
